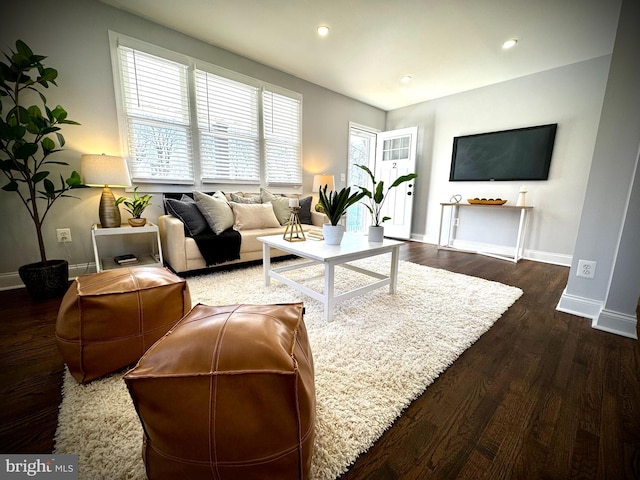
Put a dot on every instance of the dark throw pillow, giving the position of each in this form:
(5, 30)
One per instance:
(305, 210)
(188, 212)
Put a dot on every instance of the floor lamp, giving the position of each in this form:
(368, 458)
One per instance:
(106, 171)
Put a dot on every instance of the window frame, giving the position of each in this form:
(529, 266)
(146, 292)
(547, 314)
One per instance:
(193, 64)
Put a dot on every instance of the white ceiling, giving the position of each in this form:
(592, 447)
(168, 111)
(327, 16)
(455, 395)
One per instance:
(447, 46)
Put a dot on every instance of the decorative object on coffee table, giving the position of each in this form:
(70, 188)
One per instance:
(335, 205)
(294, 232)
(376, 198)
(135, 206)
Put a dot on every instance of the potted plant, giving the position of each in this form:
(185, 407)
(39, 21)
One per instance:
(28, 136)
(135, 206)
(335, 205)
(376, 198)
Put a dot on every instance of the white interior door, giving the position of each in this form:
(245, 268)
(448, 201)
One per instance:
(396, 156)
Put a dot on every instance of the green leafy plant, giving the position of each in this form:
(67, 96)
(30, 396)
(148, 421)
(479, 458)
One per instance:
(377, 195)
(335, 204)
(136, 205)
(28, 136)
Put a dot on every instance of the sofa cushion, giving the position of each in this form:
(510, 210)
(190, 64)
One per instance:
(251, 216)
(188, 212)
(216, 210)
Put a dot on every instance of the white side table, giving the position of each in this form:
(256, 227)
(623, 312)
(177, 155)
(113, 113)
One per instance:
(151, 257)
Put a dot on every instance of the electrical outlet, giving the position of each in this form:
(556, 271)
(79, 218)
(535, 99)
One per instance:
(343, 177)
(456, 222)
(64, 235)
(586, 268)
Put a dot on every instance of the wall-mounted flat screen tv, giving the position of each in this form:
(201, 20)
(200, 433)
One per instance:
(519, 154)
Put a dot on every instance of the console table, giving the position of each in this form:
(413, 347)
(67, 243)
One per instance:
(454, 210)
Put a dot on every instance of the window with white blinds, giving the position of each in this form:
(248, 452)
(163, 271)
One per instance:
(204, 125)
(156, 104)
(282, 137)
(228, 124)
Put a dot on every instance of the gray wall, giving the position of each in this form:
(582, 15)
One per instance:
(74, 36)
(571, 96)
(610, 224)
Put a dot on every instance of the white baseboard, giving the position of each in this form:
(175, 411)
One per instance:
(616, 322)
(534, 255)
(601, 319)
(579, 306)
(548, 257)
(11, 281)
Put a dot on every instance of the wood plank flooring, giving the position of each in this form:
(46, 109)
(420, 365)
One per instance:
(541, 395)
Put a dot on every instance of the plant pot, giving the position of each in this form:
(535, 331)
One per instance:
(332, 233)
(45, 280)
(137, 222)
(376, 233)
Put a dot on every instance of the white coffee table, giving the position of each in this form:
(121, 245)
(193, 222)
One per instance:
(353, 247)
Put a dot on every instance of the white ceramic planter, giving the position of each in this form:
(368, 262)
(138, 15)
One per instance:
(376, 234)
(332, 233)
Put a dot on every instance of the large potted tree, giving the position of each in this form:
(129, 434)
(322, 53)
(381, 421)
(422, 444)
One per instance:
(28, 136)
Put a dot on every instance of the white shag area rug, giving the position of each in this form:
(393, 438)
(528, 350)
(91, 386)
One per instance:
(379, 353)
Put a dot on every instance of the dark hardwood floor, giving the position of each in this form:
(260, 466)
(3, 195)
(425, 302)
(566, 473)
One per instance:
(541, 395)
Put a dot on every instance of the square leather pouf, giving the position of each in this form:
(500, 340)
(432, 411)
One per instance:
(107, 320)
(228, 393)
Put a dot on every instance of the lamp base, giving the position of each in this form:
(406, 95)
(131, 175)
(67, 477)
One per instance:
(108, 211)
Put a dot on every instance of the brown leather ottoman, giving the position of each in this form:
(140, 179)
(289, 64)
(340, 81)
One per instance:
(228, 393)
(107, 320)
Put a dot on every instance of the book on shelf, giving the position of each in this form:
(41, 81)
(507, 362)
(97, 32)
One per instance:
(125, 259)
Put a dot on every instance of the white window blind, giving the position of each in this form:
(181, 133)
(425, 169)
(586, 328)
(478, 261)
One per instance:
(228, 124)
(205, 125)
(156, 104)
(282, 120)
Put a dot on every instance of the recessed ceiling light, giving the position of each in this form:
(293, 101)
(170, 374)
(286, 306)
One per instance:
(510, 43)
(406, 78)
(322, 30)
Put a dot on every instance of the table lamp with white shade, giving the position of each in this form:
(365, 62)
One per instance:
(322, 180)
(106, 171)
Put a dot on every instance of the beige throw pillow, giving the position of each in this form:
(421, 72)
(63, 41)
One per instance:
(249, 216)
(216, 210)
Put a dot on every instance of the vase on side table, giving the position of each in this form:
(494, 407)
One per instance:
(137, 222)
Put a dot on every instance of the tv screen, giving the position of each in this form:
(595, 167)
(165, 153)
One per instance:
(519, 154)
